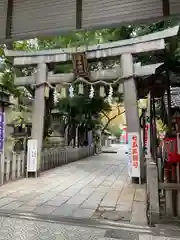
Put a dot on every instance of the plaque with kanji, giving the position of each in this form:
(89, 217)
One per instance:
(80, 65)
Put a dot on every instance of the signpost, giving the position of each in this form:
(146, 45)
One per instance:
(134, 155)
(32, 156)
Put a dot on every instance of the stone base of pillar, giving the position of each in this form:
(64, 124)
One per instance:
(33, 174)
(98, 149)
(135, 180)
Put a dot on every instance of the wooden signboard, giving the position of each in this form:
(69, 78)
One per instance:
(80, 65)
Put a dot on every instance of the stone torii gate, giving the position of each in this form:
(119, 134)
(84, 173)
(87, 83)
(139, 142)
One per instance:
(125, 49)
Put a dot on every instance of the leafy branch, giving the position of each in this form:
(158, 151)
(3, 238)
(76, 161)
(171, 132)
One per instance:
(110, 119)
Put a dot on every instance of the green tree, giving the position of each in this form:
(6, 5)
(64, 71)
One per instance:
(83, 113)
(116, 131)
(75, 39)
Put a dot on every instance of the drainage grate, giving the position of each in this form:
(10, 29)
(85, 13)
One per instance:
(122, 234)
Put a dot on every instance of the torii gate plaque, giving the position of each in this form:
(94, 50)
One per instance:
(125, 49)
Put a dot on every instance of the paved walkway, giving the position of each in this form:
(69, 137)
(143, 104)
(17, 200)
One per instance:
(35, 229)
(87, 189)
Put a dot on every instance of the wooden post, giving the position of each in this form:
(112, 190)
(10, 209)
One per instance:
(148, 121)
(22, 163)
(39, 110)
(178, 192)
(169, 203)
(154, 131)
(131, 106)
(66, 137)
(169, 104)
(13, 156)
(77, 137)
(171, 196)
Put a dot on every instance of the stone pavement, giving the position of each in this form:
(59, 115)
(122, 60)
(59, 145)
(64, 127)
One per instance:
(35, 229)
(94, 188)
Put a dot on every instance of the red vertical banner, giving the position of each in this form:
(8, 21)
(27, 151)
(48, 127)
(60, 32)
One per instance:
(134, 154)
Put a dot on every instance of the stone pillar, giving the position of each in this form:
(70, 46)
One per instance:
(39, 109)
(58, 135)
(130, 102)
(152, 192)
(76, 139)
(66, 137)
(98, 141)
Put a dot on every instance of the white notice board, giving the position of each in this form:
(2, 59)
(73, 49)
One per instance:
(32, 156)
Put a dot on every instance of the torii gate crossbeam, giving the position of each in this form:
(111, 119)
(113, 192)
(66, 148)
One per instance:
(124, 49)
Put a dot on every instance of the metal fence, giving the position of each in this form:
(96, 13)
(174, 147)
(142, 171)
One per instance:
(13, 165)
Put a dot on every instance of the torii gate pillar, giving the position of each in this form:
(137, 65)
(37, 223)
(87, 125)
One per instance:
(136, 161)
(39, 110)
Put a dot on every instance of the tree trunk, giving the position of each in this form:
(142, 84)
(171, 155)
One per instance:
(71, 134)
(81, 136)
